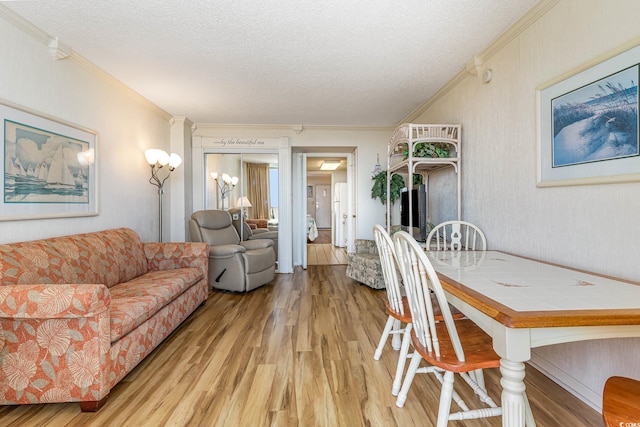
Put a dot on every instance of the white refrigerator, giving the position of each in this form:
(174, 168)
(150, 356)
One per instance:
(340, 215)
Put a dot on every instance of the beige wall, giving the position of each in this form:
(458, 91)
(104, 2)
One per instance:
(77, 92)
(592, 227)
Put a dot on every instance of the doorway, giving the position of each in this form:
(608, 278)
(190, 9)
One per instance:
(325, 243)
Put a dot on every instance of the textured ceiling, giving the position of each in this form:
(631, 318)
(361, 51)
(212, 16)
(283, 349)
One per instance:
(310, 62)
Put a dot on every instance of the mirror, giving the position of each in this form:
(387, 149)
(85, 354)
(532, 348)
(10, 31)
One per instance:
(244, 183)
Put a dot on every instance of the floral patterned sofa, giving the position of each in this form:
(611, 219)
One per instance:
(77, 313)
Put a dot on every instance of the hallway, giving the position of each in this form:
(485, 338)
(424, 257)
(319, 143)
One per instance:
(325, 254)
(322, 252)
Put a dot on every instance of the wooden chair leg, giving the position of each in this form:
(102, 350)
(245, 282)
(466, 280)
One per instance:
(94, 405)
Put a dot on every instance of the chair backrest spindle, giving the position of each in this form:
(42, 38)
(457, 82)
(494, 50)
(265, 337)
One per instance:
(420, 281)
(388, 265)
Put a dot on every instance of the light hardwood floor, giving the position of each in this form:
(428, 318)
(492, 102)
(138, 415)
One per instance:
(325, 254)
(297, 352)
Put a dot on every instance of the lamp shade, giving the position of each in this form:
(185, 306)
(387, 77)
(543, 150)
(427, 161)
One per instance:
(152, 155)
(174, 160)
(243, 202)
(163, 158)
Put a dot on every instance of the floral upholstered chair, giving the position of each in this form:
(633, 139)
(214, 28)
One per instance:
(364, 264)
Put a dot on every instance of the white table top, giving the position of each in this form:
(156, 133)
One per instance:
(520, 287)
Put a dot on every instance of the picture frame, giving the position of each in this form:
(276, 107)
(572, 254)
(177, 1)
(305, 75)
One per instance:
(588, 123)
(48, 166)
(310, 191)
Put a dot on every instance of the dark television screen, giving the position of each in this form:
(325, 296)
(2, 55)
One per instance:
(418, 211)
(404, 208)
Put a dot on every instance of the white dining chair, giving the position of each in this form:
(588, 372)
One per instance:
(442, 344)
(396, 306)
(456, 236)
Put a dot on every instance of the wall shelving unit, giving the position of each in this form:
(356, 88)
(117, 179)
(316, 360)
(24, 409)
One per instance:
(401, 159)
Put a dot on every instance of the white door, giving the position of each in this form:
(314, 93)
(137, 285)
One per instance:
(323, 206)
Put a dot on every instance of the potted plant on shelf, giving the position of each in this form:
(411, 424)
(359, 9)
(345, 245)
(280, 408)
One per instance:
(379, 189)
(425, 149)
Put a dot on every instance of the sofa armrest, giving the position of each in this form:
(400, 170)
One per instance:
(167, 256)
(49, 301)
(54, 343)
(260, 243)
(272, 235)
(259, 230)
(225, 251)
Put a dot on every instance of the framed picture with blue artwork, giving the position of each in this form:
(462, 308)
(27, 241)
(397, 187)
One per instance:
(588, 123)
(48, 168)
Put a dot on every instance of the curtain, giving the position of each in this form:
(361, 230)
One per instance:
(258, 189)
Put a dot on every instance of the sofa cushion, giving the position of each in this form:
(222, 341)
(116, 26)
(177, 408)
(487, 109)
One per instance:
(134, 302)
(106, 257)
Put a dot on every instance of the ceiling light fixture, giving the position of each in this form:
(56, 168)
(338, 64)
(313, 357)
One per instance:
(329, 165)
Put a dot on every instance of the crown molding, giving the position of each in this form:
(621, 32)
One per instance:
(60, 51)
(25, 26)
(181, 120)
(118, 85)
(474, 65)
(297, 129)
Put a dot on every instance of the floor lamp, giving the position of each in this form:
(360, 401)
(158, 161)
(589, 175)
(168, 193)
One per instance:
(158, 159)
(228, 183)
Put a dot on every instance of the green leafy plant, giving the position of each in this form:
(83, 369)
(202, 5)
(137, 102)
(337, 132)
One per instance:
(379, 188)
(424, 149)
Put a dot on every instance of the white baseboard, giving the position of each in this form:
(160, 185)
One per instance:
(566, 381)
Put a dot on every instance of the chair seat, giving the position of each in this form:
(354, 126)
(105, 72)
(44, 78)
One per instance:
(406, 317)
(621, 402)
(478, 348)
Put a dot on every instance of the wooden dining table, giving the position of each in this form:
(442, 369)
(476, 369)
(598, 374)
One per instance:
(523, 304)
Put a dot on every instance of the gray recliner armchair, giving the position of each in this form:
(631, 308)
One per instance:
(247, 233)
(234, 265)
